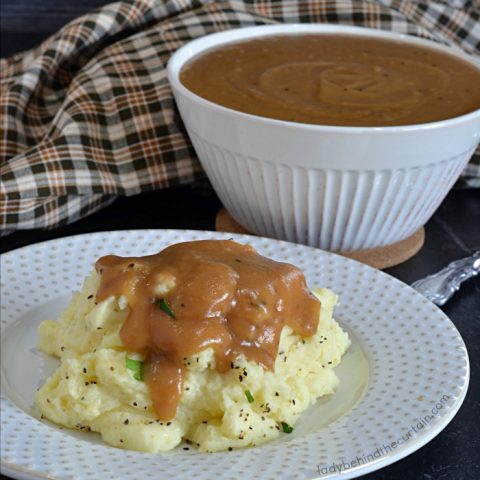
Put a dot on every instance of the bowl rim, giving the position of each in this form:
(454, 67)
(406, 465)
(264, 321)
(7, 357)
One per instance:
(199, 45)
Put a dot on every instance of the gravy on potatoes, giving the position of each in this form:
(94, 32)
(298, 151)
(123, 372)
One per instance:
(335, 80)
(206, 294)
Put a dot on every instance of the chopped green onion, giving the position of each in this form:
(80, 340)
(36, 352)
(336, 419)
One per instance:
(136, 366)
(287, 428)
(249, 396)
(162, 304)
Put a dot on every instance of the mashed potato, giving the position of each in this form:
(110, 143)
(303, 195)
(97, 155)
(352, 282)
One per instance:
(92, 389)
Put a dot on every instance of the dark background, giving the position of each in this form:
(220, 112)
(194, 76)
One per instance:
(452, 233)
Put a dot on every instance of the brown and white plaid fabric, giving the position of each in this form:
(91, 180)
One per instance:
(89, 115)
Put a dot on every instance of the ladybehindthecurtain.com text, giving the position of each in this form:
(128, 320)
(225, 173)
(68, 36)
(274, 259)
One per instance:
(385, 449)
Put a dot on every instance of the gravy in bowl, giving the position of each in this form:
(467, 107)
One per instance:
(335, 80)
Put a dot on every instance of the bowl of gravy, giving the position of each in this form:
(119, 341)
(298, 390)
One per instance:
(343, 138)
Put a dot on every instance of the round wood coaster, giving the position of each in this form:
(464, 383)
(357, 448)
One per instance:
(380, 257)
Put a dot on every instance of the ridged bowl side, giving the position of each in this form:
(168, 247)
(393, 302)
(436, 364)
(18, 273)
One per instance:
(331, 209)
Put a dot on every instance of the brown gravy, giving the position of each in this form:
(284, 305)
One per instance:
(213, 293)
(335, 80)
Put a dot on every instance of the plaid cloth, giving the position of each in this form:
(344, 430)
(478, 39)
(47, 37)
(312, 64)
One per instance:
(88, 115)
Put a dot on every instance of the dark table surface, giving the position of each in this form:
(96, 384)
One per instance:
(452, 233)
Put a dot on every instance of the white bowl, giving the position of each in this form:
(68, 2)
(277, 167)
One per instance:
(334, 187)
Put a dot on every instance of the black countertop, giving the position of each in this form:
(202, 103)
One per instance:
(452, 233)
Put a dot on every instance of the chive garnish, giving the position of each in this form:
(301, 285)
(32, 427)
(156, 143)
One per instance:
(249, 396)
(136, 366)
(287, 428)
(162, 304)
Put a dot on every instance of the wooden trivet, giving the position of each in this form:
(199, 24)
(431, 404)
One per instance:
(380, 257)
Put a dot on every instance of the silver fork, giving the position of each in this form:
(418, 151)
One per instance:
(440, 286)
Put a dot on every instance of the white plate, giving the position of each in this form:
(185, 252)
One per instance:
(402, 381)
